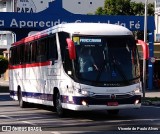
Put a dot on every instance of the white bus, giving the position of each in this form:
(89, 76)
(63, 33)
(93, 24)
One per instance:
(77, 66)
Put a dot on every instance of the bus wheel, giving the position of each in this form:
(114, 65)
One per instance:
(60, 111)
(22, 104)
(113, 112)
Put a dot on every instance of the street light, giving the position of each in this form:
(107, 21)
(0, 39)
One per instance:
(145, 21)
(145, 40)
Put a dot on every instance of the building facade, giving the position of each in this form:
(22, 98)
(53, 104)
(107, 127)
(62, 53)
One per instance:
(87, 6)
(6, 36)
(73, 6)
(157, 20)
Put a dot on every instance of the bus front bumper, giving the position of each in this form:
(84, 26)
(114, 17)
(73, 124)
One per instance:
(90, 103)
(99, 107)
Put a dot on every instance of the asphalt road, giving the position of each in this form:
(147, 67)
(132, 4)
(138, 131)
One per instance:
(44, 119)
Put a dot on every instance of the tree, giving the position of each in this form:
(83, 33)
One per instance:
(125, 7)
(100, 11)
(137, 9)
(151, 9)
(3, 64)
(116, 7)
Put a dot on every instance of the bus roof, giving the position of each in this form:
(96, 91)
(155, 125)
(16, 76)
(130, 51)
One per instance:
(80, 29)
(94, 29)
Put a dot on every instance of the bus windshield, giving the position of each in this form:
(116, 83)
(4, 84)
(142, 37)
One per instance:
(106, 58)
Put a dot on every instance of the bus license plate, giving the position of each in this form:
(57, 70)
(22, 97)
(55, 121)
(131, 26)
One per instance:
(112, 103)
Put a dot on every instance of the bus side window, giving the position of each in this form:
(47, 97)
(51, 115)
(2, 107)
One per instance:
(27, 53)
(21, 54)
(52, 53)
(18, 55)
(41, 51)
(11, 56)
(15, 60)
(67, 64)
(33, 51)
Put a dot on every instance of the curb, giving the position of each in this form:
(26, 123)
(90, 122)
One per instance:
(150, 103)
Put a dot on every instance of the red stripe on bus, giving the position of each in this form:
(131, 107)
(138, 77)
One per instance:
(29, 39)
(29, 65)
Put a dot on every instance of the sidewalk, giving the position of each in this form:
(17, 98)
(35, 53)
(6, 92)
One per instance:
(152, 94)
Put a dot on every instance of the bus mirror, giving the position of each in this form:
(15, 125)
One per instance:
(144, 48)
(71, 49)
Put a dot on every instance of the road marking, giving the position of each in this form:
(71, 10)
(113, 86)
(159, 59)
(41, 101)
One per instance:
(7, 117)
(27, 122)
(112, 121)
(85, 120)
(11, 118)
(68, 132)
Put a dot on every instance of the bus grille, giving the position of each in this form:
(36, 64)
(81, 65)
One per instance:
(122, 96)
(119, 96)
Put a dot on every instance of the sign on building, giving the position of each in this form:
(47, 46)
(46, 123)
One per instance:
(25, 6)
(31, 6)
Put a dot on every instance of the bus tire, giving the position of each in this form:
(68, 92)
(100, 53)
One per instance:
(113, 112)
(22, 104)
(58, 106)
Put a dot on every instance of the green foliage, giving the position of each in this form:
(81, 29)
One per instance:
(124, 7)
(137, 8)
(151, 9)
(100, 11)
(116, 7)
(3, 64)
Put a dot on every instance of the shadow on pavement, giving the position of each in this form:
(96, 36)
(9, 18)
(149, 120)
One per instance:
(4, 89)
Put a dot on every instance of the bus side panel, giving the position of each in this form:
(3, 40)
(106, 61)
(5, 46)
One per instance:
(15, 82)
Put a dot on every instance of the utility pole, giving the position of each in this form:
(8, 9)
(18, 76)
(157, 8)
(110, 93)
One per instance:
(145, 40)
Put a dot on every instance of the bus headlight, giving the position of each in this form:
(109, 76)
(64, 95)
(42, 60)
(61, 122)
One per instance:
(87, 93)
(136, 91)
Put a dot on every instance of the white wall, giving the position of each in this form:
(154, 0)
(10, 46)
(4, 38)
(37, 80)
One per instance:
(2, 7)
(6, 36)
(82, 6)
(29, 6)
(74, 6)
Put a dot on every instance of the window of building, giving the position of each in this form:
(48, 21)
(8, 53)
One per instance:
(79, 2)
(4, 4)
(2, 37)
(91, 3)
